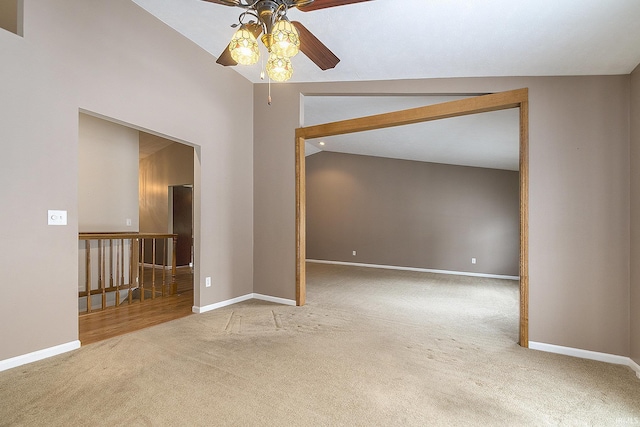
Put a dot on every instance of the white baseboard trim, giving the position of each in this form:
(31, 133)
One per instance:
(586, 354)
(276, 300)
(210, 307)
(633, 365)
(242, 298)
(421, 270)
(38, 355)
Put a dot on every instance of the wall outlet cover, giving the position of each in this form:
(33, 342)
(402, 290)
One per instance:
(56, 217)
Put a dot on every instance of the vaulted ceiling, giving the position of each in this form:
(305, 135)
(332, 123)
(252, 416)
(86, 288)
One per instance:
(393, 39)
(405, 39)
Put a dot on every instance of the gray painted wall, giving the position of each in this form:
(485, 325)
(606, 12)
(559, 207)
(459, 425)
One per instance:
(108, 176)
(412, 214)
(579, 197)
(115, 60)
(635, 216)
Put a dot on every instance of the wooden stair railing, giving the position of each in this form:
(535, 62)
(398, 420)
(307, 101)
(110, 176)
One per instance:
(116, 264)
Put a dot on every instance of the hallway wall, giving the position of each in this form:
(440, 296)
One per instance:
(107, 177)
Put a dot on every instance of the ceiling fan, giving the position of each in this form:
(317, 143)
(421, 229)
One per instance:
(282, 38)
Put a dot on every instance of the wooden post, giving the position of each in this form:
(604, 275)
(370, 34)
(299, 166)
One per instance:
(118, 248)
(133, 266)
(174, 285)
(111, 264)
(524, 223)
(87, 246)
(164, 266)
(301, 218)
(121, 264)
(101, 274)
(153, 268)
(141, 271)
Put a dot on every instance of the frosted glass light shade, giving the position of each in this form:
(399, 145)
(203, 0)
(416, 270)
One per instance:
(279, 68)
(285, 39)
(244, 47)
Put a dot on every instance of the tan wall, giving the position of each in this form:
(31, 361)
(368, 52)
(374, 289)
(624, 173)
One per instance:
(412, 214)
(108, 176)
(113, 59)
(579, 198)
(635, 215)
(9, 15)
(172, 165)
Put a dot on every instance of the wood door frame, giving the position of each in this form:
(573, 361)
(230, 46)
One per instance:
(518, 98)
(171, 219)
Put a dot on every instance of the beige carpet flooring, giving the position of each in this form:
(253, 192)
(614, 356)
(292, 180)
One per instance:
(371, 348)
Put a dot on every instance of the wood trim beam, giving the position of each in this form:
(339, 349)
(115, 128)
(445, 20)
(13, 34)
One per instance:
(461, 107)
(518, 98)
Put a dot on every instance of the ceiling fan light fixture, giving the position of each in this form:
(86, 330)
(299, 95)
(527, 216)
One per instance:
(279, 68)
(244, 47)
(285, 40)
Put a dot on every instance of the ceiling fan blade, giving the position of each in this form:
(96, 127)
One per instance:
(225, 2)
(323, 4)
(225, 57)
(315, 49)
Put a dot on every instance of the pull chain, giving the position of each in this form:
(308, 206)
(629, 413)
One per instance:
(262, 78)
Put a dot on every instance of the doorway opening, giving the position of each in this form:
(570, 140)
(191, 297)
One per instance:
(181, 223)
(480, 104)
(129, 173)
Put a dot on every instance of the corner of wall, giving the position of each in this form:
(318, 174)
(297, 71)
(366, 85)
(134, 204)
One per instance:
(634, 151)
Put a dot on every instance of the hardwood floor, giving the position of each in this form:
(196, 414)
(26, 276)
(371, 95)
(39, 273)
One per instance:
(100, 325)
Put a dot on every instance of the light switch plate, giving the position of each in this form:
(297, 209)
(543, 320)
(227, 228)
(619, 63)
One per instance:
(56, 217)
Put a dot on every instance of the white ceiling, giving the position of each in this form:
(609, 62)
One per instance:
(489, 140)
(149, 144)
(393, 39)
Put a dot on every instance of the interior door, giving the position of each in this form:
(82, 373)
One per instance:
(183, 223)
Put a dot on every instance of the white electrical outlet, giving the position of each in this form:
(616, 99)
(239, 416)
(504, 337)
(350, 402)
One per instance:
(354, 253)
(207, 282)
(56, 217)
(473, 260)
(128, 222)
